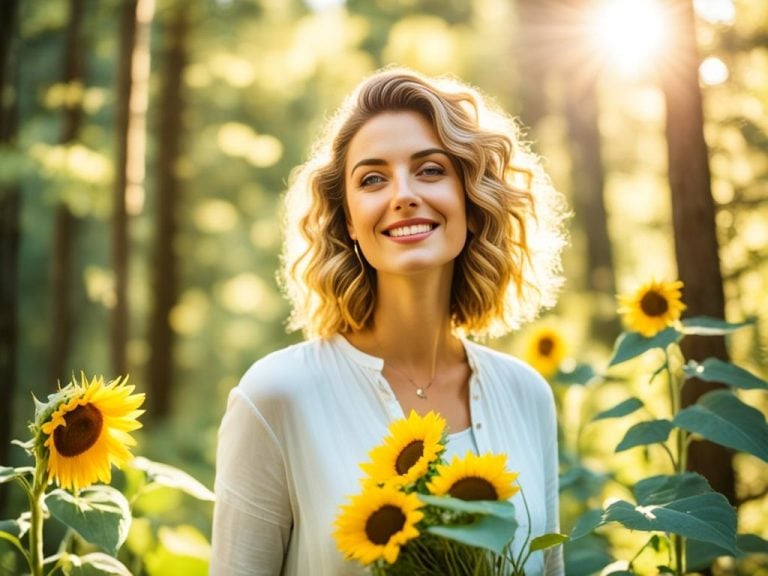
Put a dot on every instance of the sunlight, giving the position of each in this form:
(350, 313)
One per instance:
(716, 11)
(630, 33)
(713, 71)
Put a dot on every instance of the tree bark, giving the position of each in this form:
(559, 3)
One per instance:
(549, 44)
(10, 209)
(119, 320)
(693, 214)
(65, 224)
(587, 192)
(165, 284)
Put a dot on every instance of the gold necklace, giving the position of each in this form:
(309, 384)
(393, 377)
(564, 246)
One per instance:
(421, 391)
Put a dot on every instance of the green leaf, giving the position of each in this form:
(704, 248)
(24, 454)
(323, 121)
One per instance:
(700, 555)
(95, 564)
(581, 482)
(172, 477)
(17, 528)
(499, 509)
(586, 523)
(8, 474)
(100, 514)
(708, 326)
(707, 517)
(752, 544)
(182, 550)
(621, 409)
(631, 344)
(488, 532)
(8, 537)
(547, 541)
(581, 374)
(721, 417)
(644, 433)
(716, 370)
(586, 556)
(663, 489)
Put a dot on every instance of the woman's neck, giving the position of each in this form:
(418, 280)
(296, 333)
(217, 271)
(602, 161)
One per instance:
(412, 325)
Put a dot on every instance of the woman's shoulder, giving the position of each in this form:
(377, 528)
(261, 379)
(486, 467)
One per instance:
(285, 370)
(505, 367)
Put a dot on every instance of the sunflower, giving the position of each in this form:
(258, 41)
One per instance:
(545, 350)
(376, 523)
(405, 455)
(88, 432)
(475, 478)
(652, 307)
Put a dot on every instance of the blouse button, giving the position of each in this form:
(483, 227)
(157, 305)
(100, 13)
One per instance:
(476, 397)
(479, 425)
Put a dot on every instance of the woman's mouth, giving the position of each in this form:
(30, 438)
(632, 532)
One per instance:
(411, 230)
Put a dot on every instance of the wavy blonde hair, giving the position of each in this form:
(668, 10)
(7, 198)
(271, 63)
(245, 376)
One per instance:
(509, 268)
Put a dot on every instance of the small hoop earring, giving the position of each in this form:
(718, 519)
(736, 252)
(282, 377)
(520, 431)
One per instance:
(356, 250)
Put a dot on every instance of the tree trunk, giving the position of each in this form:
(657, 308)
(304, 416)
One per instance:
(587, 193)
(119, 324)
(693, 213)
(165, 284)
(64, 221)
(549, 42)
(10, 208)
(533, 42)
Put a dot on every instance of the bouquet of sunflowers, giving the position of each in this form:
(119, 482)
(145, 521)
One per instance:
(418, 514)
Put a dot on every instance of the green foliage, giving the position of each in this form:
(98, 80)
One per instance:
(721, 417)
(682, 506)
(99, 514)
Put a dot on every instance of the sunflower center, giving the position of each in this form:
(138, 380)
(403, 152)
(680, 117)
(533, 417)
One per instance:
(473, 488)
(654, 304)
(546, 345)
(81, 429)
(384, 523)
(409, 456)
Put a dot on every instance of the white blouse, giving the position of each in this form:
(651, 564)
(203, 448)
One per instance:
(303, 418)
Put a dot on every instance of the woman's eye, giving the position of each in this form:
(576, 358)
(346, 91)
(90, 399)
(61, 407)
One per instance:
(371, 180)
(432, 171)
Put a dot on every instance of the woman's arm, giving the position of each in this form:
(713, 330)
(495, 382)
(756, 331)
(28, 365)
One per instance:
(252, 515)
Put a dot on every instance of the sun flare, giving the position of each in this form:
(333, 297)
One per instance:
(630, 34)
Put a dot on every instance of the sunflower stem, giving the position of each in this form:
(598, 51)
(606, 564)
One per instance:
(675, 394)
(39, 483)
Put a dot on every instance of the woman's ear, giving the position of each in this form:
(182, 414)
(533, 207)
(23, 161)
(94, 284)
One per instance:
(351, 230)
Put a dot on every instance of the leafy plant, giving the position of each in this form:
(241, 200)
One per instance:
(683, 514)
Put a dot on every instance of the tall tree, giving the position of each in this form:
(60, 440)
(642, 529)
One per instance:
(65, 224)
(165, 275)
(551, 44)
(693, 213)
(588, 196)
(119, 324)
(10, 208)
(131, 113)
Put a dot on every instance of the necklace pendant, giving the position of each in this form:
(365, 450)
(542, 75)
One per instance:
(421, 393)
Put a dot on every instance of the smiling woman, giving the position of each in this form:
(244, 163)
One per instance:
(419, 221)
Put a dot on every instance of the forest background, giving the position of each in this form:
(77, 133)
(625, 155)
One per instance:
(145, 146)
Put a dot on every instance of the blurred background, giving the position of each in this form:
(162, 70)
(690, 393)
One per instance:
(145, 145)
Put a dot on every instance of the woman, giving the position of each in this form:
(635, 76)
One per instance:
(420, 220)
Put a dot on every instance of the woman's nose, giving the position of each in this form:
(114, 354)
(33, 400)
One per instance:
(403, 193)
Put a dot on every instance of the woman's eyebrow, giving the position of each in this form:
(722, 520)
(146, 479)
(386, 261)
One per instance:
(414, 156)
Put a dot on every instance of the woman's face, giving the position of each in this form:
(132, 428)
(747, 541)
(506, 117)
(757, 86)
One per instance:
(405, 200)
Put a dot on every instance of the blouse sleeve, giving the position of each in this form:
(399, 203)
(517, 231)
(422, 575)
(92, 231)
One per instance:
(252, 515)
